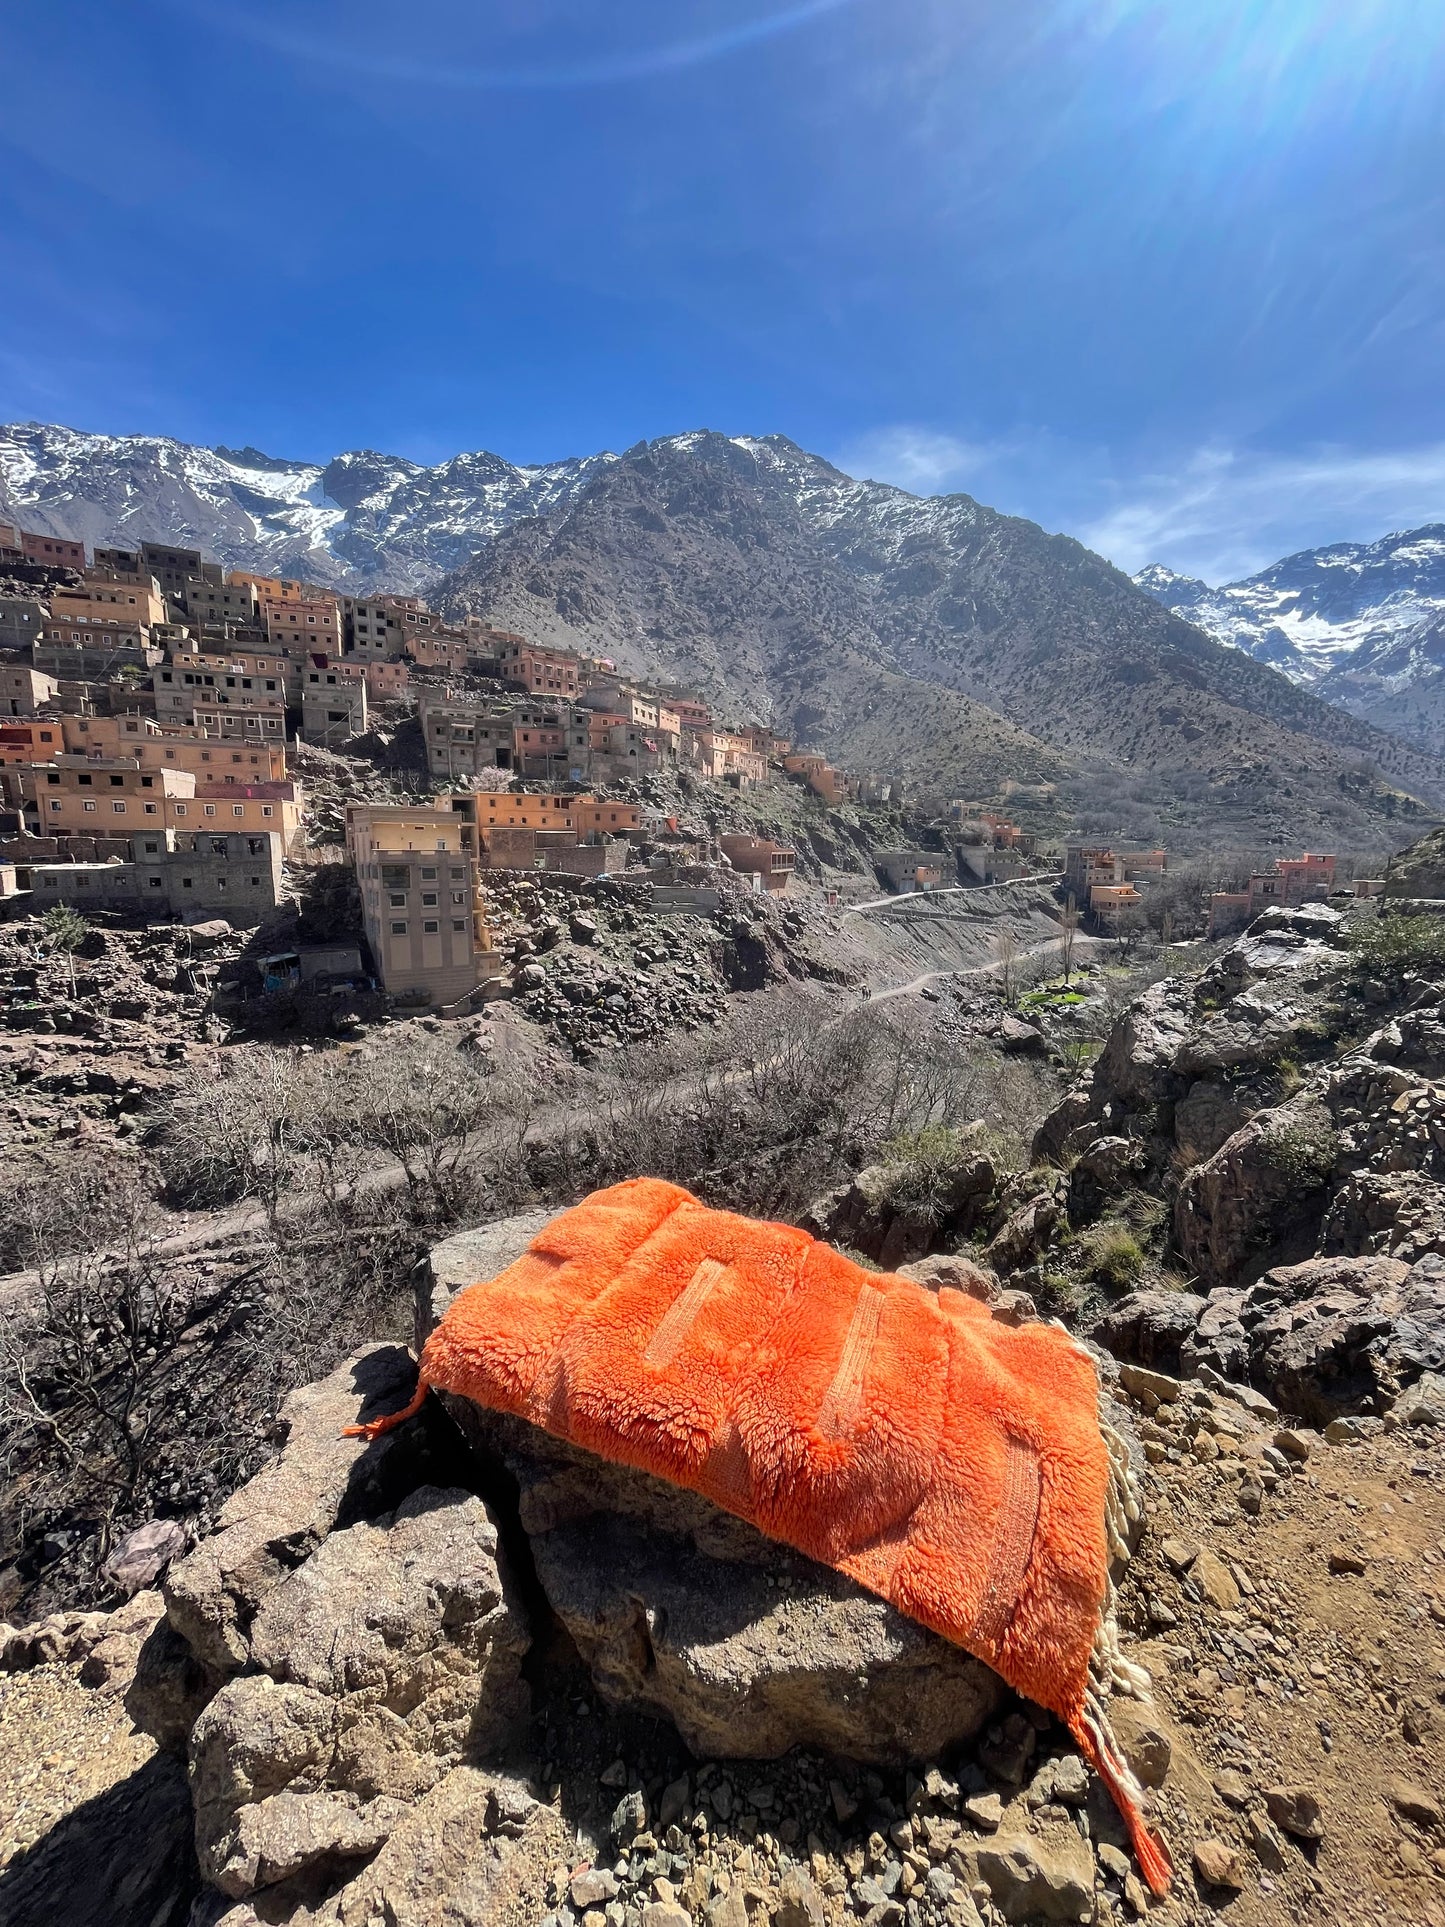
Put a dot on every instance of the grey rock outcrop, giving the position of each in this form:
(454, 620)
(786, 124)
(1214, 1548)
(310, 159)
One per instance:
(321, 1480)
(873, 1214)
(460, 1261)
(390, 1656)
(747, 1647)
(1328, 1338)
(1150, 1327)
(1266, 1182)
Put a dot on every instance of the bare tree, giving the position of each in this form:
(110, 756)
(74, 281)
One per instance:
(1069, 928)
(1006, 961)
(83, 1348)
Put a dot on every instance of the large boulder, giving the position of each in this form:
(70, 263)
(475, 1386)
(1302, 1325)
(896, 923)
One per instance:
(1102, 1170)
(747, 1647)
(1207, 1116)
(387, 1658)
(461, 1260)
(1150, 1328)
(874, 1214)
(1137, 1064)
(1330, 1337)
(1264, 1186)
(320, 1480)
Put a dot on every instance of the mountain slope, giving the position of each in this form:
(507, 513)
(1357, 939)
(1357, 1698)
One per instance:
(362, 520)
(1361, 624)
(779, 586)
(927, 635)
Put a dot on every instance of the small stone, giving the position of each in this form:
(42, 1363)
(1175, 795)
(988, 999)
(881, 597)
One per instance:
(1215, 1582)
(1150, 1388)
(1161, 1615)
(1071, 1780)
(844, 1804)
(1414, 1803)
(1038, 1876)
(727, 1909)
(1294, 1444)
(1179, 1554)
(1218, 1864)
(1343, 1561)
(629, 1817)
(592, 1886)
(985, 1810)
(674, 1803)
(664, 1913)
(1296, 1810)
(1232, 1788)
(1113, 1861)
(1009, 1748)
(1269, 1849)
(1352, 1431)
(799, 1902)
(615, 1775)
(1145, 1745)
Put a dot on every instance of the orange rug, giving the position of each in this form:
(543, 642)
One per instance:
(951, 1462)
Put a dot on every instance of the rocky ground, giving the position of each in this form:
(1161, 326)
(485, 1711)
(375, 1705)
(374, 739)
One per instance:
(474, 1676)
(81, 1058)
(467, 1675)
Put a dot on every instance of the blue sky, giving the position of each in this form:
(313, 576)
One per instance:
(1167, 274)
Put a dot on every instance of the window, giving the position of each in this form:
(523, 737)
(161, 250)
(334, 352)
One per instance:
(255, 882)
(431, 926)
(119, 808)
(186, 883)
(180, 809)
(458, 896)
(210, 809)
(88, 804)
(429, 899)
(87, 780)
(154, 882)
(55, 802)
(398, 900)
(459, 924)
(266, 809)
(428, 875)
(151, 848)
(398, 929)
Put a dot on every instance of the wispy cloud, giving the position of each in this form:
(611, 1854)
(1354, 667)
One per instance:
(1222, 513)
(1216, 511)
(384, 62)
(923, 460)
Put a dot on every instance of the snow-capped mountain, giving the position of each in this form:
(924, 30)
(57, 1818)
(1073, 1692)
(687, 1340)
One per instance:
(923, 634)
(1361, 624)
(361, 520)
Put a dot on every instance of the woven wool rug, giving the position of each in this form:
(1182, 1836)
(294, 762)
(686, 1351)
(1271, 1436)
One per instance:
(949, 1461)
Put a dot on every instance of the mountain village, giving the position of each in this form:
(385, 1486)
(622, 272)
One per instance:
(155, 704)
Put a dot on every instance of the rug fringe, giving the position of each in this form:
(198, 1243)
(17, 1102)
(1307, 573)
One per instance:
(377, 1426)
(1111, 1672)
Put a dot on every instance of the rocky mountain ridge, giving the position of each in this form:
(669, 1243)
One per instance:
(936, 636)
(1362, 624)
(931, 637)
(362, 520)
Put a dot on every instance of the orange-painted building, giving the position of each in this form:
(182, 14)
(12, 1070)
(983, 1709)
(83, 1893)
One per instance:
(113, 796)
